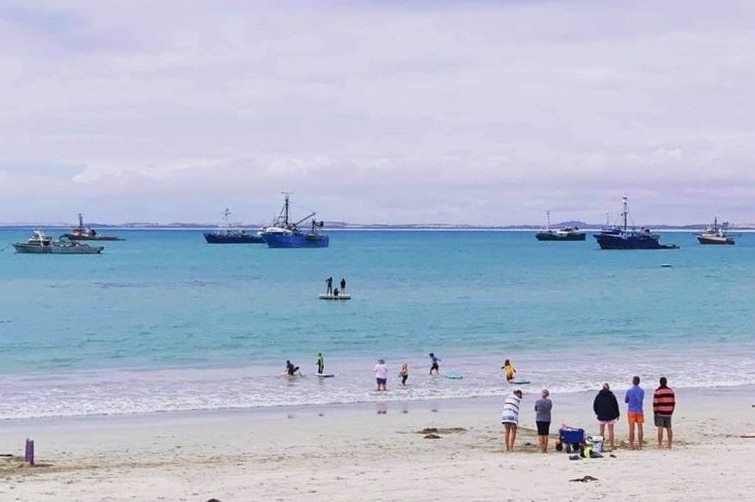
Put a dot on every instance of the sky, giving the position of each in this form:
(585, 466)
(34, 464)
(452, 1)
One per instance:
(486, 112)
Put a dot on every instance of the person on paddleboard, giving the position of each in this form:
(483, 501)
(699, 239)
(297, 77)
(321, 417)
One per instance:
(320, 363)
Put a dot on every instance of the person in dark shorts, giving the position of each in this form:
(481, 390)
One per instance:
(543, 407)
(434, 364)
(404, 374)
(343, 285)
(664, 402)
(329, 286)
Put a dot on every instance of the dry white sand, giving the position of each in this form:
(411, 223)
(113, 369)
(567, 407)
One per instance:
(377, 452)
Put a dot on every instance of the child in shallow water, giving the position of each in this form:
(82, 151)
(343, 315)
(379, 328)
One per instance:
(508, 370)
(404, 374)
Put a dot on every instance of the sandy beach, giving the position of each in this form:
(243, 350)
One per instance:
(378, 451)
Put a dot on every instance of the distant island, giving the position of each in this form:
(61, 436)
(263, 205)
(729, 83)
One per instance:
(342, 225)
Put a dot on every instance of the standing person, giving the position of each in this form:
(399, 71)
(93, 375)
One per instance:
(606, 408)
(343, 286)
(635, 416)
(508, 370)
(543, 407)
(434, 364)
(510, 418)
(664, 402)
(329, 286)
(404, 374)
(381, 375)
(320, 363)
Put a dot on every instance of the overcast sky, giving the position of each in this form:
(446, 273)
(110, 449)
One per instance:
(384, 111)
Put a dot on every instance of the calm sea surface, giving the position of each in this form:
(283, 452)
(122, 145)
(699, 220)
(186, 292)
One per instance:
(163, 321)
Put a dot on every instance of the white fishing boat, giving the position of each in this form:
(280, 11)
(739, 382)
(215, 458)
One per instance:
(41, 243)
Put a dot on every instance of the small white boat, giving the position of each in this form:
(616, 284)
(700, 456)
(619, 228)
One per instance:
(41, 243)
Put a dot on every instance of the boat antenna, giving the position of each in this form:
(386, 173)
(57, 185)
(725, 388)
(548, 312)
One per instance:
(548, 220)
(624, 211)
(285, 209)
(81, 221)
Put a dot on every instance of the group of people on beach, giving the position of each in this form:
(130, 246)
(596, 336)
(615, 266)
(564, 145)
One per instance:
(335, 292)
(606, 409)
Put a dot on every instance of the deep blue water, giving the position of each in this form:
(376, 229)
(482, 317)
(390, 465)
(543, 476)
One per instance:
(164, 321)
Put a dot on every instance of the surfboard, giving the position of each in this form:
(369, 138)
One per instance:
(326, 375)
(452, 375)
(519, 382)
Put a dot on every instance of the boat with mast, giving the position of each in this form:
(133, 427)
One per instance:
(285, 233)
(86, 233)
(716, 234)
(559, 234)
(227, 234)
(623, 237)
(41, 243)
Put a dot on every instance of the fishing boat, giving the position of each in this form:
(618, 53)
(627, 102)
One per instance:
(559, 234)
(716, 234)
(82, 233)
(623, 237)
(41, 243)
(226, 234)
(284, 233)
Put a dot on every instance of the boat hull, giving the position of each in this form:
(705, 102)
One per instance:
(56, 249)
(715, 240)
(630, 241)
(104, 238)
(553, 236)
(286, 240)
(216, 238)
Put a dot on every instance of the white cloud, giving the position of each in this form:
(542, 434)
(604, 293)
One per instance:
(470, 112)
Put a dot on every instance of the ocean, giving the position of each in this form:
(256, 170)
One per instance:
(165, 322)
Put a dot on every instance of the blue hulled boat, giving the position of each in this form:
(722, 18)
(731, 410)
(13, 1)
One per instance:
(286, 234)
(225, 234)
(629, 238)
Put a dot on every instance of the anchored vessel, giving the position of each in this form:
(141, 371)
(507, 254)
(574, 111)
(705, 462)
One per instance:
(622, 237)
(559, 234)
(82, 233)
(41, 243)
(287, 234)
(226, 234)
(716, 234)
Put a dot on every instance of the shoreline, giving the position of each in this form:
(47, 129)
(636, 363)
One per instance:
(374, 451)
(571, 402)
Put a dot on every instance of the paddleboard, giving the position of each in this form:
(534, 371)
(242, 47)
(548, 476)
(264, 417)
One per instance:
(333, 297)
(452, 375)
(519, 382)
(326, 375)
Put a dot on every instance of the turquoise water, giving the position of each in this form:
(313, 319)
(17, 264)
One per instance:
(163, 321)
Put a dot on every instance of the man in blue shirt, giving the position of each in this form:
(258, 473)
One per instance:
(635, 416)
